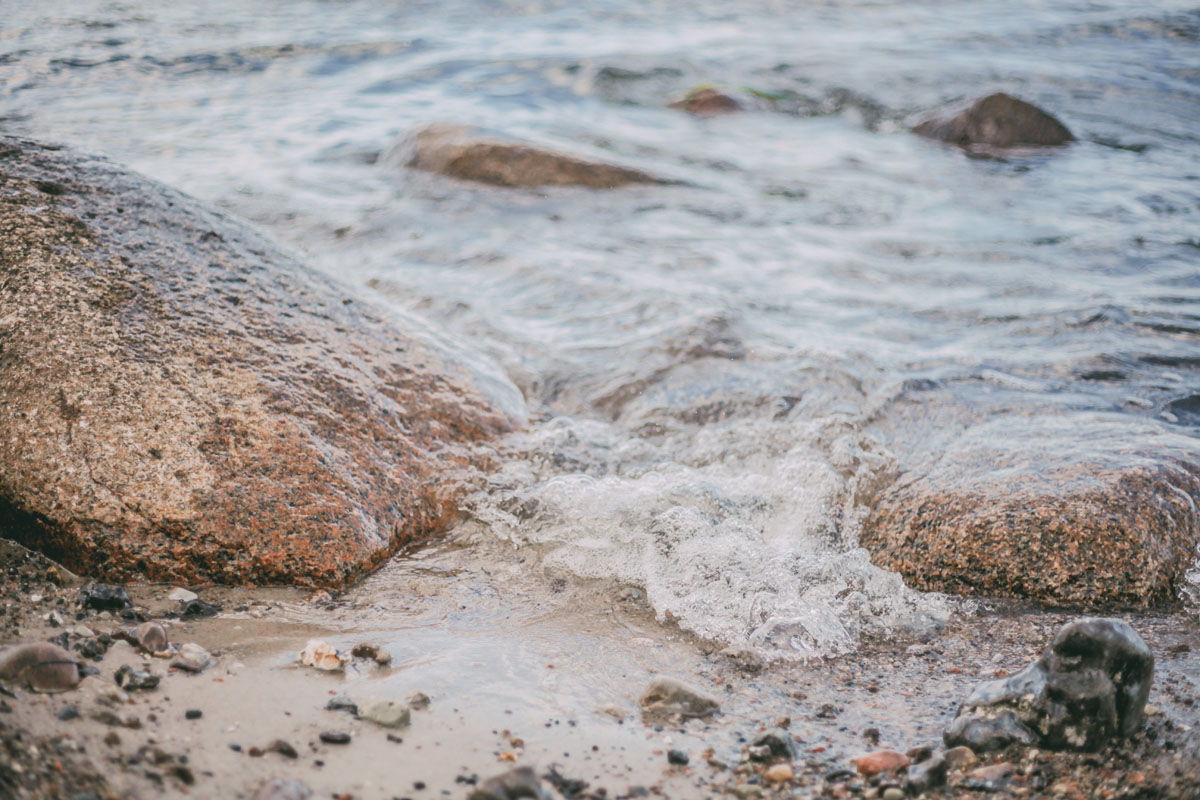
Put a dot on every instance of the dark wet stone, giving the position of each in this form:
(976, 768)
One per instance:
(283, 748)
(668, 696)
(998, 121)
(283, 789)
(132, 679)
(467, 154)
(342, 704)
(335, 737)
(40, 666)
(777, 744)
(515, 784)
(104, 597)
(927, 775)
(1086, 511)
(176, 383)
(67, 713)
(199, 608)
(1089, 686)
(677, 757)
(193, 713)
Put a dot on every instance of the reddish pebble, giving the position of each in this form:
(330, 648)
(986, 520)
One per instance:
(880, 761)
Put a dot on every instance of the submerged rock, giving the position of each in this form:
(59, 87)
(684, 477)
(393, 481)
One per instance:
(186, 401)
(1080, 512)
(471, 155)
(515, 784)
(40, 666)
(997, 121)
(668, 696)
(1089, 685)
(705, 101)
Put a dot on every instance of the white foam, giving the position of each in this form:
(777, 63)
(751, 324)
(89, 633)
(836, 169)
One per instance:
(744, 533)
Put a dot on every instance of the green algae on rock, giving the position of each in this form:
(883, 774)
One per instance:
(181, 399)
(1014, 507)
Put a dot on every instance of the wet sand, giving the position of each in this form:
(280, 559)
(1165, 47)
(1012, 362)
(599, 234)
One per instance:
(522, 668)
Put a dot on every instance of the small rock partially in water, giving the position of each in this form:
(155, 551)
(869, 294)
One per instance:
(997, 121)
(880, 761)
(668, 696)
(322, 655)
(705, 101)
(193, 658)
(283, 789)
(472, 155)
(388, 713)
(1089, 685)
(521, 782)
(131, 679)
(373, 652)
(40, 666)
(104, 597)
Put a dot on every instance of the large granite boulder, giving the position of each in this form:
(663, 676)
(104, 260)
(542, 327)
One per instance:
(1090, 685)
(472, 155)
(996, 122)
(1078, 511)
(181, 400)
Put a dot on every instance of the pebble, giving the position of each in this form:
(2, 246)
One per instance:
(132, 679)
(182, 595)
(992, 772)
(335, 737)
(893, 793)
(341, 703)
(418, 701)
(960, 758)
(193, 713)
(40, 666)
(780, 773)
(104, 597)
(199, 608)
(373, 652)
(321, 655)
(193, 658)
(68, 713)
(670, 696)
(880, 761)
(778, 744)
(520, 782)
(388, 713)
(282, 747)
(677, 757)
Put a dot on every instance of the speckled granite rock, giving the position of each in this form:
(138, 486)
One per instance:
(1090, 685)
(997, 121)
(1080, 511)
(180, 398)
(472, 155)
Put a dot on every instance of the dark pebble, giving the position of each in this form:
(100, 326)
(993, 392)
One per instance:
(418, 784)
(335, 737)
(342, 704)
(199, 608)
(68, 712)
(677, 757)
(235, 747)
(104, 597)
(193, 713)
(284, 749)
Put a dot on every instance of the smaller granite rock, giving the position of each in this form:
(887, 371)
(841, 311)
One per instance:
(668, 696)
(388, 713)
(131, 679)
(104, 597)
(880, 761)
(998, 121)
(471, 155)
(515, 784)
(283, 789)
(1089, 685)
(193, 658)
(40, 666)
(774, 745)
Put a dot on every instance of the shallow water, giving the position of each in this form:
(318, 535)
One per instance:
(710, 366)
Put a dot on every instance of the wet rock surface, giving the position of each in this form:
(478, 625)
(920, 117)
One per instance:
(186, 401)
(666, 696)
(997, 121)
(705, 101)
(471, 155)
(1008, 508)
(1089, 686)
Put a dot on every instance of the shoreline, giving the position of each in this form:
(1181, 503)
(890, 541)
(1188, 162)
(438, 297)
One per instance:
(535, 673)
